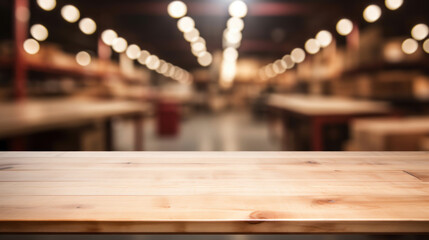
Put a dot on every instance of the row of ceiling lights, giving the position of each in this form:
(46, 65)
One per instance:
(120, 45)
(231, 41)
(344, 27)
(178, 9)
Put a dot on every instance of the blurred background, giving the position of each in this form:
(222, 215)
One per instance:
(217, 75)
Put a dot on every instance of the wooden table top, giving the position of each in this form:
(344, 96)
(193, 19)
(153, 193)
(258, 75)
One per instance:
(214, 192)
(397, 126)
(323, 105)
(41, 115)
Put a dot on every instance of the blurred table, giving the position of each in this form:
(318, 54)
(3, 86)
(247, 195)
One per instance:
(32, 116)
(214, 192)
(390, 134)
(320, 111)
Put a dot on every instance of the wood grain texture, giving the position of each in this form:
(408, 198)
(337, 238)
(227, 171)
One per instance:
(214, 192)
(321, 105)
(40, 115)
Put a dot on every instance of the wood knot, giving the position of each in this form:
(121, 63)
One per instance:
(324, 201)
(312, 162)
(258, 215)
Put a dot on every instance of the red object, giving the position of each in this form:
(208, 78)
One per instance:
(168, 118)
(20, 31)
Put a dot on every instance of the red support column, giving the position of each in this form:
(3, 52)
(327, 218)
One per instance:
(20, 20)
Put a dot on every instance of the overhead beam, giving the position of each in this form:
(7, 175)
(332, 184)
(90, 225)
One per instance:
(211, 8)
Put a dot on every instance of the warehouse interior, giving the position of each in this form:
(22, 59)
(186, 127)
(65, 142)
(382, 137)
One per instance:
(212, 75)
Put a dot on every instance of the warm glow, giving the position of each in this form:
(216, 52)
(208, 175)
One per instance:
(279, 66)
(177, 9)
(410, 46)
(108, 36)
(87, 26)
(235, 24)
(192, 35)
(426, 46)
(143, 57)
(163, 67)
(297, 55)
(392, 52)
(230, 54)
(47, 5)
(312, 46)
(344, 27)
(152, 62)
(324, 38)
(232, 37)
(186, 24)
(198, 46)
(228, 71)
(31, 46)
(39, 32)
(394, 4)
(420, 31)
(83, 58)
(372, 13)
(287, 59)
(205, 59)
(70, 13)
(238, 9)
(269, 71)
(133, 51)
(119, 45)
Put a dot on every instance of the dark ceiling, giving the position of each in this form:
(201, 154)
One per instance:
(291, 22)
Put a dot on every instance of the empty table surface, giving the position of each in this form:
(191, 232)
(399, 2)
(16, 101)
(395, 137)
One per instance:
(322, 105)
(41, 115)
(400, 126)
(214, 192)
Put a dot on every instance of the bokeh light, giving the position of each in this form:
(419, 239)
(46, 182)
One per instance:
(70, 13)
(409, 46)
(108, 36)
(420, 31)
(344, 27)
(185, 24)
(177, 9)
(47, 5)
(372, 13)
(83, 58)
(298, 55)
(133, 51)
(39, 32)
(119, 45)
(393, 4)
(143, 57)
(312, 46)
(31, 46)
(238, 9)
(205, 59)
(324, 38)
(87, 26)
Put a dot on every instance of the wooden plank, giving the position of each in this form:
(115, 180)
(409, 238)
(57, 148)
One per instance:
(40, 115)
(211, 192)
(324, 106)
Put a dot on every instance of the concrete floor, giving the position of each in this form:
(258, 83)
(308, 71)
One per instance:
(228, 131)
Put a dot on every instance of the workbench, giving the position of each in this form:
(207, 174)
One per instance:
(390, 134)
(214, 192)
(320, 111)
(33, 116)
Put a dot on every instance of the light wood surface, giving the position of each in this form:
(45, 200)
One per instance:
(40, 115)
(322, 105)
(214, 192)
